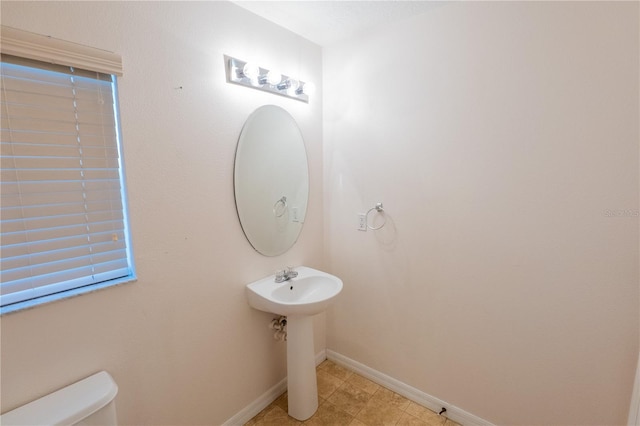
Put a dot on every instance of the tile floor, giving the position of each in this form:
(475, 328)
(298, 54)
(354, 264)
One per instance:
(346, 398)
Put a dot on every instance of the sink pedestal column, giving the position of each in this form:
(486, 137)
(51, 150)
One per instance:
(302, 388)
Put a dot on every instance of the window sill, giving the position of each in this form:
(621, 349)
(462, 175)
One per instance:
(29, 304)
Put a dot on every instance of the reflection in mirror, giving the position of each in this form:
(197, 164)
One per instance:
(271, 180)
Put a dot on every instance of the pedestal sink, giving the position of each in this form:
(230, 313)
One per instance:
(299, 298)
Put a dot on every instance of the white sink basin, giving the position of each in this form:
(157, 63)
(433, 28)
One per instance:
(307, 294)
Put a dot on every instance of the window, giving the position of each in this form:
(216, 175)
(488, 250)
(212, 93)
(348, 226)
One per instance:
(63, 218)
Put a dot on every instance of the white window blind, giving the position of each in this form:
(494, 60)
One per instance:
(63, 217)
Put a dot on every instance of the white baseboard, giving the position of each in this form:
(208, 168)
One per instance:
(321, 356)
(263, 401)
(454, 413)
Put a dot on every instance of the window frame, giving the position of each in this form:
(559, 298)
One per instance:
(45, 49)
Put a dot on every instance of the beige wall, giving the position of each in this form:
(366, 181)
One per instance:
(497, 135)
(182, 343)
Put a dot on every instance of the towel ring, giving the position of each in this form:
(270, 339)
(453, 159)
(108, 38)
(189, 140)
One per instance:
(282, 201)
(378, 207)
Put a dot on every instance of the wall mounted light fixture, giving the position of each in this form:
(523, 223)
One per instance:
(256, 77)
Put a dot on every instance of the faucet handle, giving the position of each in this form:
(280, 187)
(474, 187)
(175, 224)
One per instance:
(280, 276)
(291, 273)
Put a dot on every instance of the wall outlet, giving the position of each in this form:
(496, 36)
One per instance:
(296, 215)
(362, 222)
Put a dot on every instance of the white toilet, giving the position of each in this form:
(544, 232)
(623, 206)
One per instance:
(87, 402)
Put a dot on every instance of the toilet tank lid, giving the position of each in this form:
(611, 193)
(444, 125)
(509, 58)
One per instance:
(68, 405)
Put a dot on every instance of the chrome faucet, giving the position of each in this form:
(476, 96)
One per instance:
(285, 274)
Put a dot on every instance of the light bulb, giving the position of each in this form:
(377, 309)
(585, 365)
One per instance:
(309, 89)
(274, 78)
(293, 85)
(251, 71)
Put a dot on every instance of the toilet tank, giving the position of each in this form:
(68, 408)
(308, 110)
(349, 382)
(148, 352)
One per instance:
(87, 402)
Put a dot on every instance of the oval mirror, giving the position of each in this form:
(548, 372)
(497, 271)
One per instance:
(271, 180)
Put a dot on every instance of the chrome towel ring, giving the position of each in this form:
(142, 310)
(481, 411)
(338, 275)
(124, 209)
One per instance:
(280, 207)
(379, 208)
